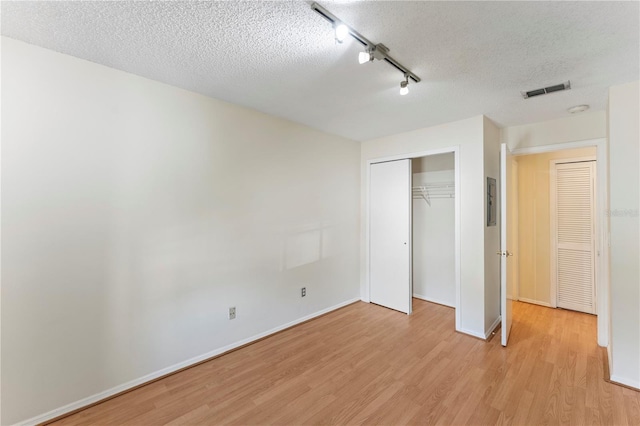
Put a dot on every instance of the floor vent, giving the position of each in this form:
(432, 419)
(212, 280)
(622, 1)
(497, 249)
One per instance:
(555, 88)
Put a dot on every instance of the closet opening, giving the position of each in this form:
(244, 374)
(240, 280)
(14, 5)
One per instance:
(413, 230)
(433, 194)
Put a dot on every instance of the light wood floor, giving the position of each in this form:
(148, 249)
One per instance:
(365, 364)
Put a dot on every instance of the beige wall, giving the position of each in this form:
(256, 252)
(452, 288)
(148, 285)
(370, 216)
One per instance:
(533, 226)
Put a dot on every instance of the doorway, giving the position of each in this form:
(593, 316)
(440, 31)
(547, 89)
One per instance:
(537, 224)
(559, 224)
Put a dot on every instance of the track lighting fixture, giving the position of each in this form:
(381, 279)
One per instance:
(372, 51)
(342, 31)
(404, 86)
(365, 57)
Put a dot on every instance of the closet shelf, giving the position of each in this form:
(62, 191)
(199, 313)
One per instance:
(436, 190)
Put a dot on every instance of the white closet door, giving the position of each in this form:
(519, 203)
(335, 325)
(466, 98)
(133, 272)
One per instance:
(575, 236)
(390, 235)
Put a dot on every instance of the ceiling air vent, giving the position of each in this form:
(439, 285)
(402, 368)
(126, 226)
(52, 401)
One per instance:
(537, 92)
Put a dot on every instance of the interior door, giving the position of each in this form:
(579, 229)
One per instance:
(574, 211)
(390, 235)
(507, 267)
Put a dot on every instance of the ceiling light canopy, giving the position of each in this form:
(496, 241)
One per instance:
(372, 51)
(578, 108)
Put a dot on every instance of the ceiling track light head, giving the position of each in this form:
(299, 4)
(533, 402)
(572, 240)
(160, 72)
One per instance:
(366, 56)
(342, 31)
(404, 85)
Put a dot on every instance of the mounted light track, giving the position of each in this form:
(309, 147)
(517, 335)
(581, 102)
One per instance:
(374, 51)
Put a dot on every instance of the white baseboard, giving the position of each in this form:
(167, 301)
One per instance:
(156, 374)
(483, 336)
(624, 381)
(429, 299)
(492, 327)
(535, 302)
(471, 333)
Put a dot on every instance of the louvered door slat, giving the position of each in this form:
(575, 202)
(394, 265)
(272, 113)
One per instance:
(574, 245)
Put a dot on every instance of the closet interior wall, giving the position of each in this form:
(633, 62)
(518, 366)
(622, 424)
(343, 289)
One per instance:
(434, 228)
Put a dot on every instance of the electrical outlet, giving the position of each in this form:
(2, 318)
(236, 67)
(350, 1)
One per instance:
(303, 291)
(232, 313)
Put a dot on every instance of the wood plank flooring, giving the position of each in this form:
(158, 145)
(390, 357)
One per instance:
(365, 364)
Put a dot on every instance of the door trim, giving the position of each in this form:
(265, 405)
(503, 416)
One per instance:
(602, 224)
(506, 183)
(456, 154)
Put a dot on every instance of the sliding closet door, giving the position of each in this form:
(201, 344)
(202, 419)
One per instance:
(390, 235)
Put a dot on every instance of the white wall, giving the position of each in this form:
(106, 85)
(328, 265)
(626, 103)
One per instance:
(135, 214)
(588, 125)
(468, 136)
(434, 276)
(624, 195)
(491, 154)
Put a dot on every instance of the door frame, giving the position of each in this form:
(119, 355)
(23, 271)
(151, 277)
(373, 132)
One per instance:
(507, 182)
(516, 211)
(602, 224)
(409, 156)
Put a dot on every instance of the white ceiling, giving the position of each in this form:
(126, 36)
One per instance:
(281, 58)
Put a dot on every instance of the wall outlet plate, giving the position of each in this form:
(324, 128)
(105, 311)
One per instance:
(232, 313)
(303, 292)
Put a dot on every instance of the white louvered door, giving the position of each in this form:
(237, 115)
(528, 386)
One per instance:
(574, 225)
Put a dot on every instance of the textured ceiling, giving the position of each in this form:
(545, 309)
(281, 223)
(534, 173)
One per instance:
(281, 58)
